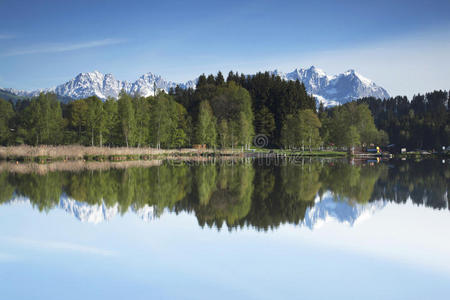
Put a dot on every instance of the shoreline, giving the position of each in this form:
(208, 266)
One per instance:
(49, 154)
(45, 154)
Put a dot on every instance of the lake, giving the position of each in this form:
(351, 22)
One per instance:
(238, 228)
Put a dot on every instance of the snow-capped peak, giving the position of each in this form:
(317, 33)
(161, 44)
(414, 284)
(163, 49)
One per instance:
(336, 89)
(318, 71)
(363, 79)
(330, 90)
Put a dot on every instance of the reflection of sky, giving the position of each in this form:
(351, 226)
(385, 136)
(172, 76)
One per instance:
(400, 252)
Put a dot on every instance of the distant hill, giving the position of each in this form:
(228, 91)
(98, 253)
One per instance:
(7, 95)
(10, 95)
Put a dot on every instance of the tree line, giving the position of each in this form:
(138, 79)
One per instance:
(422, 123)
(226, 113)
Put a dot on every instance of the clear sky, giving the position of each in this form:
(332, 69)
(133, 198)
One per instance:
(403, 46)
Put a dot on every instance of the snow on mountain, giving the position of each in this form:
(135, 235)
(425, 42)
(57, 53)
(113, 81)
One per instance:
(22, 93)
(330, 90)
(92, 83)
(328, 209)
(104, 86)
(337, 89)
(145, 85)
(314, 79)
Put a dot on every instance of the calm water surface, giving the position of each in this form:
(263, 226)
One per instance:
(309, 229)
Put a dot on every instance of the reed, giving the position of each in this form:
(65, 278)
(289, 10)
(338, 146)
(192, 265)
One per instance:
(77, 152)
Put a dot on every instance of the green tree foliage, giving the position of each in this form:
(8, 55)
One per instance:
(112, 128)
(232, 106)
(422, 122)
(43, 121)
(265, 122)
(279, 97)
(351, 124)
(127, 120)
(168, 123)
(301, 129)
(95, 121)
(142, 119)
(78, 113)
(6, 116)
(205, 130)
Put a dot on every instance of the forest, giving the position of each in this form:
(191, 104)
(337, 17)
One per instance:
(227, 113)
(422, 123)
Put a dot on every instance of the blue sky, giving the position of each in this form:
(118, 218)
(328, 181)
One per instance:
(402, 45)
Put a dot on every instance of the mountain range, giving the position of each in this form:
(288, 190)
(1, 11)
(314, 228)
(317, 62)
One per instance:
(326, 209)
(336, 89)
(331, 90)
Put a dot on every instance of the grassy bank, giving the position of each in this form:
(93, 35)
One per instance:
(43, 154)
(75, 152)
(325, 153)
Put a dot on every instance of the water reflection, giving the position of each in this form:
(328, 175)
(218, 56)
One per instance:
(259, 194)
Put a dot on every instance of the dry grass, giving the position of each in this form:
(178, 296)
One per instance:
(79, 152)
(80, 165)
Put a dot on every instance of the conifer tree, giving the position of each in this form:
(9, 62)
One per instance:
(219, 79)
(6, 115)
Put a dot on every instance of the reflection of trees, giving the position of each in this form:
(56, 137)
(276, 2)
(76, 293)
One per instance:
(158, 186)
(43, 191)
(425, 182)
(230, 195)
(352, 183)
(238, 194)
(6, 188)
(282, 194)
(205, 177)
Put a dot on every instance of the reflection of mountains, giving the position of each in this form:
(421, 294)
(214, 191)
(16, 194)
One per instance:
(93, 213)
(238, 194)
(329, 209)
(324, 210)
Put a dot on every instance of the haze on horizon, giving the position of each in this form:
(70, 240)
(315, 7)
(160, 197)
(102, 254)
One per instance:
(402, 46)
